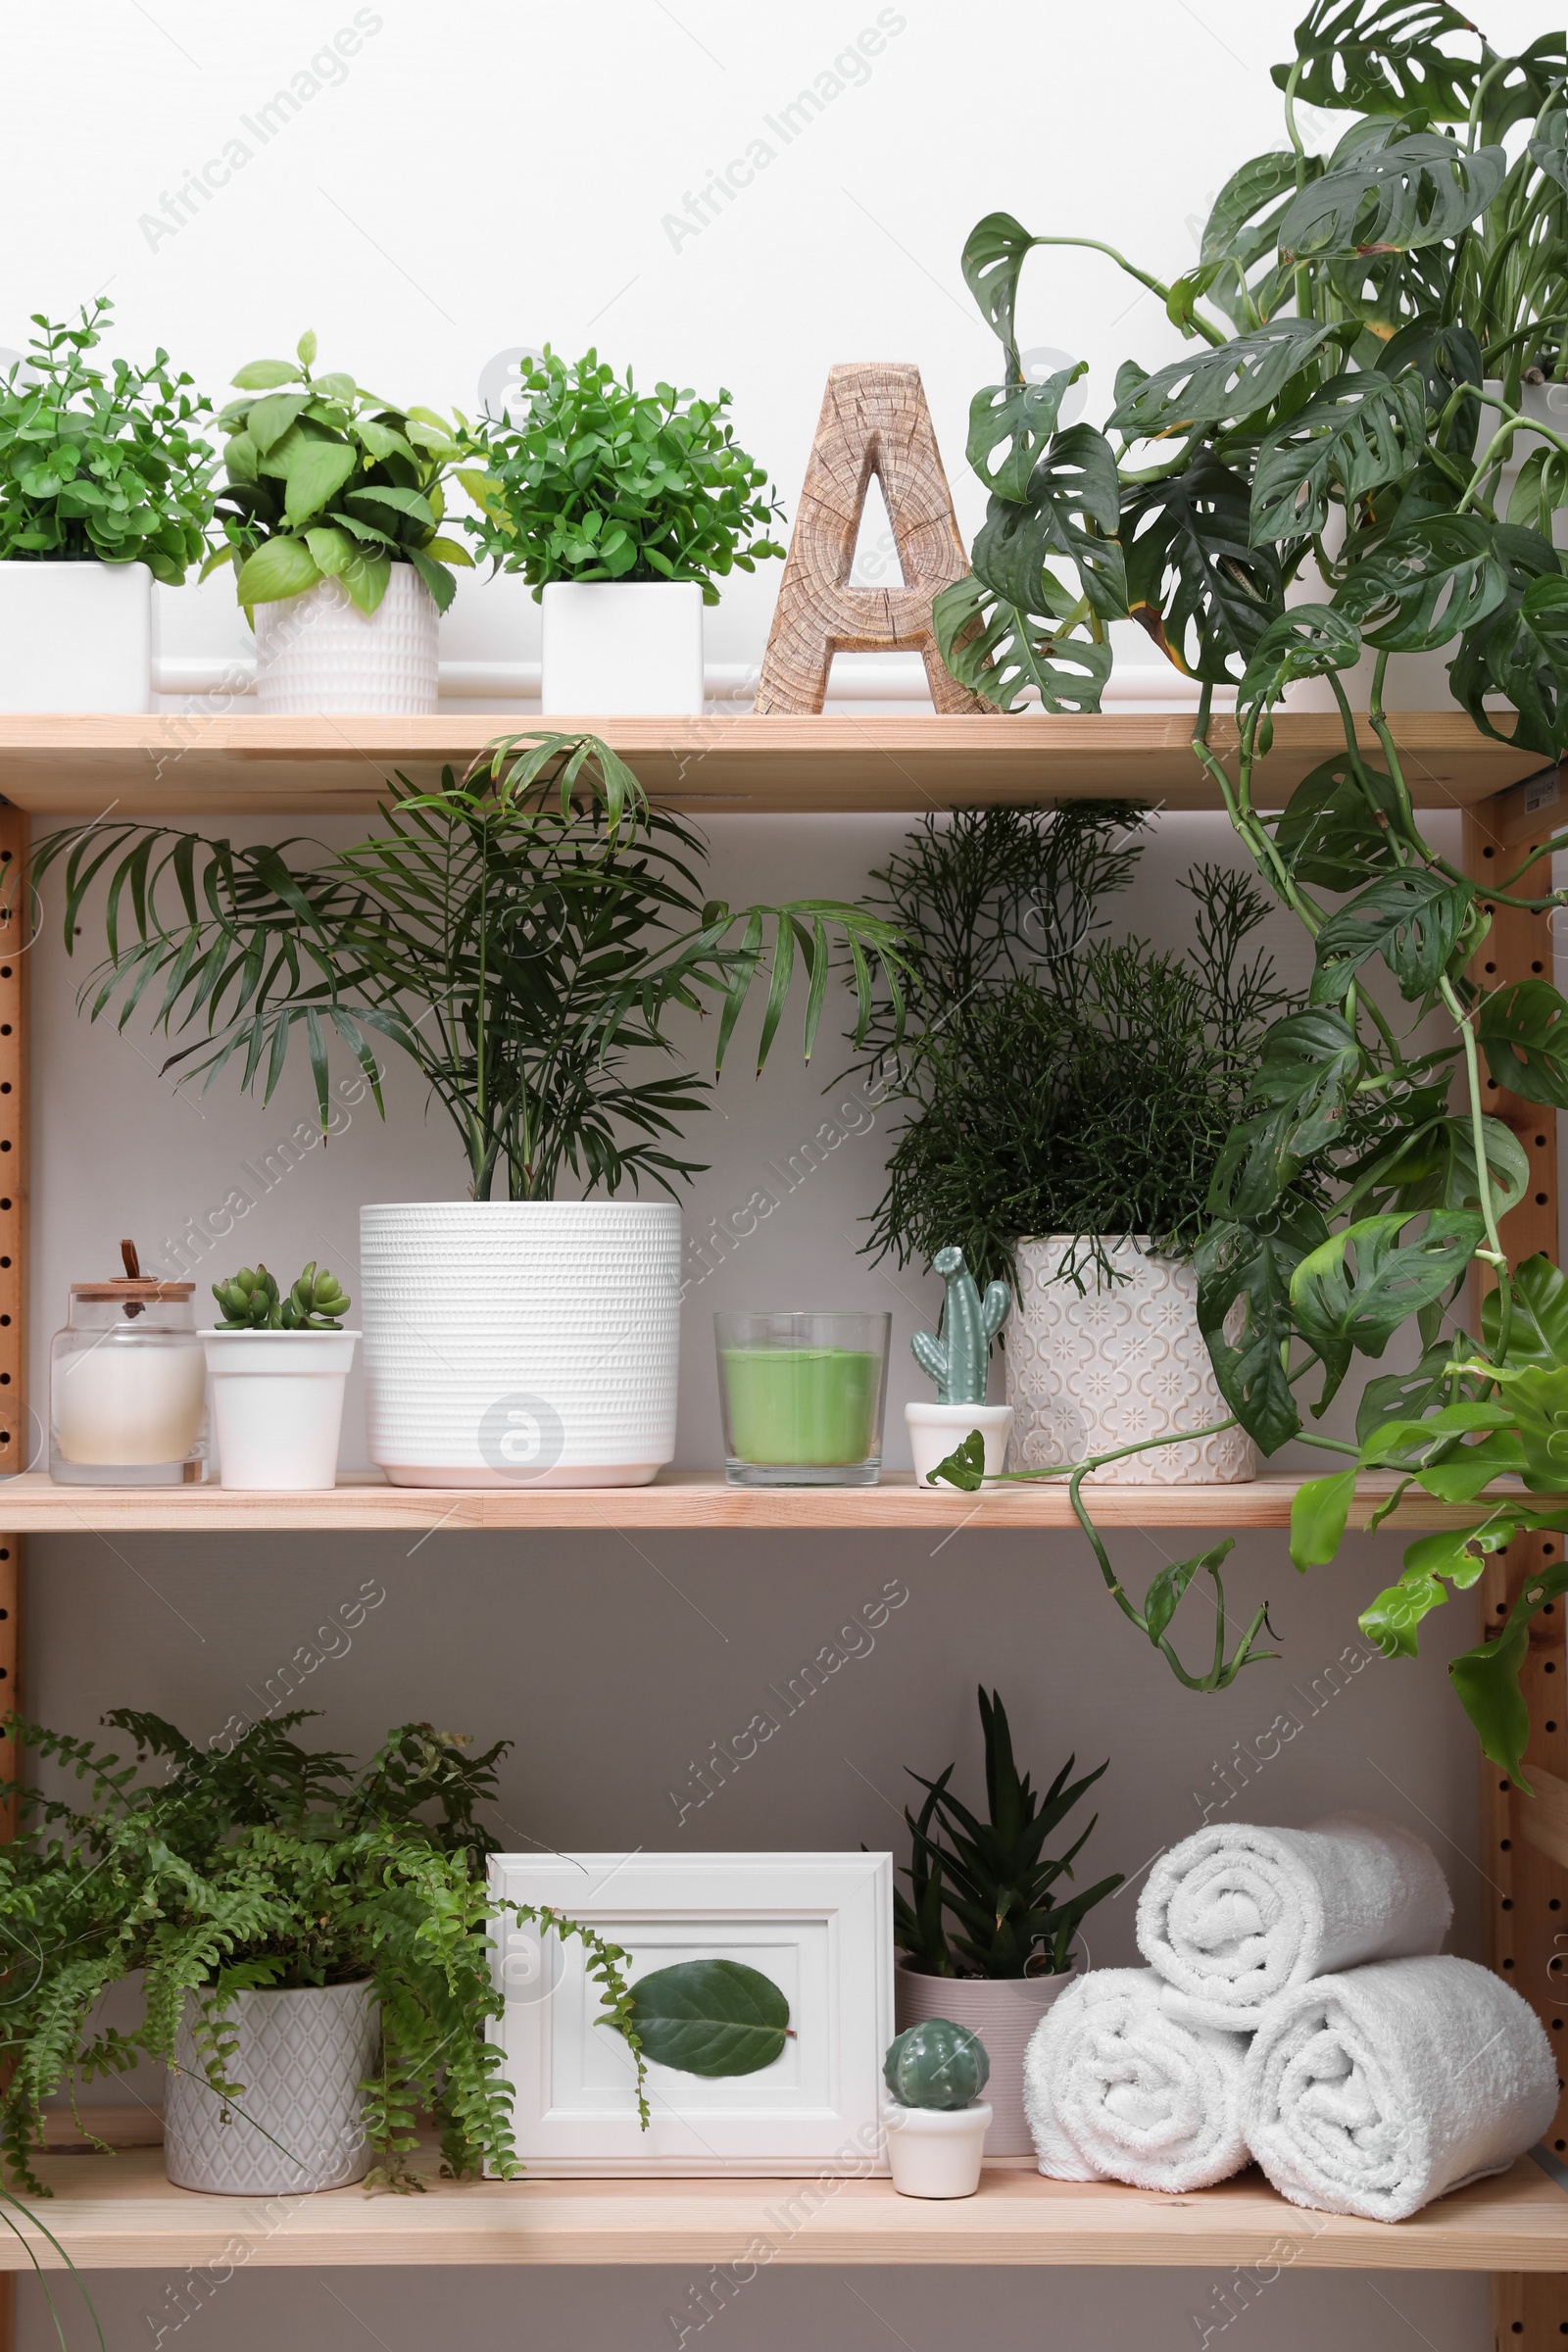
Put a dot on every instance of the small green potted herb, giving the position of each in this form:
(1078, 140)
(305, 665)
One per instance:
(277, 1363)
(331, 511)
(621, 509)
(105, 486)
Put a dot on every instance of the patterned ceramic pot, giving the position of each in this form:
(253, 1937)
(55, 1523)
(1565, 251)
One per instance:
(318, 652)
(302, 2057)
(1119, 1362)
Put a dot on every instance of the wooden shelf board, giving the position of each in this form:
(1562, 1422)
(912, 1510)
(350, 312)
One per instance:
(33, 1504)
(88, 767)
(119, 2212)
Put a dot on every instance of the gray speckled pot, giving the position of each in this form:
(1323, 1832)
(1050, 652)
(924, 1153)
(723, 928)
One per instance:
(302, 2057)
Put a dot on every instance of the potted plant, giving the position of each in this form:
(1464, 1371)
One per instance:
(619, 508)
(986, 1943)
(1066, 1099)
(331, 511)
(279, 1364)
(312, 1942)
(521, 935)
(957, 1360)
(936, 2119)
(105, 486)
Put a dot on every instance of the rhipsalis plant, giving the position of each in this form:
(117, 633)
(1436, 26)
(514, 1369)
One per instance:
(1358, 424)
(957, 1357)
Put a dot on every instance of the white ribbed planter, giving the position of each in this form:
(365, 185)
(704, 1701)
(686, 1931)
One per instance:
(75, 637)
(515, 1343)
(1121, 1362)
(302, 2057)
(617, 646)
(1004, 2012)
(318, 652)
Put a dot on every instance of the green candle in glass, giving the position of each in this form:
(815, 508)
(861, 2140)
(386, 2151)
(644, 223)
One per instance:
(801, 1396)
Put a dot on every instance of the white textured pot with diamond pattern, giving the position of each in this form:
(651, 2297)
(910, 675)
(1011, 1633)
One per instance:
(302, 2057)
(520, 1342)
(318, 652)
(1123, 1361)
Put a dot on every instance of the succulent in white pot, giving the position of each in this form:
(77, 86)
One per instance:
(621, 509)
(935, 2118)
(278, 1364)
(523, 935)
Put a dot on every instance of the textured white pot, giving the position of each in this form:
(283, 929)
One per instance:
(1123, 1361)
(297, 2127)
(936, 2151)
(613, 647)
(935, 1429)
(75, 637)
(277, 1405)
(318, 652)
(515, 1343)
(1004, 2012)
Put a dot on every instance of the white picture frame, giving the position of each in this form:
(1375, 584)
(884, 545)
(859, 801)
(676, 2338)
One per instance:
(820, 1925)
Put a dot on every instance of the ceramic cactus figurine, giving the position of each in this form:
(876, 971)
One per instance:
(936, 2065)
(316, 1303)
(248, 1300)
(956, 1360)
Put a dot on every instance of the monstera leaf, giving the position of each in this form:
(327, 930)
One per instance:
(1354, 435)
(1520, 640)
(710, 2017)
(1415, 191)
(1195, 581)
(1426, 583)
(1538, 1329)
(1413, 918)
(998, 649)
(1023, 417)
(994, 253)
(1073, 509)
(1524, 1035)
(1356, 1290)
(1383, 58)
(1306, 642)
(1329, 833)
(1220, 385)
(1250, 1264)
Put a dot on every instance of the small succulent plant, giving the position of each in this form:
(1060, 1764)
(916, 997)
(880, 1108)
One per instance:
(937, 2064)
(250, 1300)
(956, 1360)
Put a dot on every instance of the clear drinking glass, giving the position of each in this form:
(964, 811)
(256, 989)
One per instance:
(801, 1396)
(128, 1388)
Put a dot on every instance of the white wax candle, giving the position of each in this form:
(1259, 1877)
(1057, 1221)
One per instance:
(127, 1404)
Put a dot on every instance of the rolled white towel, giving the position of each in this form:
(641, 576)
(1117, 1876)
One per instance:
(1237, 1915)
(1375, 2091)
(1118, 2086)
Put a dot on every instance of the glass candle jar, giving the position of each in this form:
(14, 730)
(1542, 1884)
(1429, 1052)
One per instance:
(128, 1388)
(801, 1396)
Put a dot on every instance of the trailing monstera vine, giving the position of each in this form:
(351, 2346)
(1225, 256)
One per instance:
(1345, 467)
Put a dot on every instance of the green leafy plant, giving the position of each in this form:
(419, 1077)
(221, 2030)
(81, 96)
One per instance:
(325, 480)
(937, 2064)
(95, 466)
(520, 934)
(249, 1301)
(714, 2017)
(982, 1889)
(264, 1865)
(602, 482)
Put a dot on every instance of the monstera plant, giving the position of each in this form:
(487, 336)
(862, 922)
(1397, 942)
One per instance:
(1350, 463)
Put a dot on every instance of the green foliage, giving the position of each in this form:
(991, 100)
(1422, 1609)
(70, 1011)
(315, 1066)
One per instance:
(102, 467)
(955, 1358)
(602, 482)
(265, 1864)
(992, 1879)
(937, 2064)
(714, 2017)
(522, 935)
(325, 480)
(249, 1301)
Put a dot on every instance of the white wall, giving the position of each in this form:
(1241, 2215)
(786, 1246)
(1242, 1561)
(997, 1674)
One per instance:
(486, 179)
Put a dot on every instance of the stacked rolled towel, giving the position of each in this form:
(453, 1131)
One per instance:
(1376, 2092)
(1118, 2087)
(1236, 1916)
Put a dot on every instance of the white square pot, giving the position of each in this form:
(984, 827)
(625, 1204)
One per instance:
(611, 648)
(318, 652)
(75, 637)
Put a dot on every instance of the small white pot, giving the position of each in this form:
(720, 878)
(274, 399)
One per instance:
(1004, 2012)
(611, 648)
(1118, 1362)
(75, 637)
(318, 652)
(297, 2127)
(520, 1342)
(936, 2151)
(277, 1405)
(935, 1429)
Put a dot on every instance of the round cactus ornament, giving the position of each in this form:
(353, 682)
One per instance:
(936, 2064)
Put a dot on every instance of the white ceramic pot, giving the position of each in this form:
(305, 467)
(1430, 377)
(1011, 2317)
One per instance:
(1122, 1361)
(277, 1405)
(609, 647)
(297, 2126)
(1004, 2012)
(512, 1342)
(935, 1429)
(318, 652)
(936, 2151)
(75, 637)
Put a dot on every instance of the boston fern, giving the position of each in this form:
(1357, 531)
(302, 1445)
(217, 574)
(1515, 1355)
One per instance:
(265, 1865)
(1389, 303)
(521, 935)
